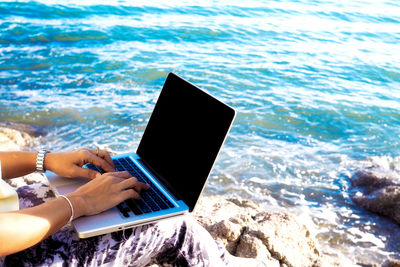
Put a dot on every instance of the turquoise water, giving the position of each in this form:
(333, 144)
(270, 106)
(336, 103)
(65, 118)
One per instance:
(316, 85)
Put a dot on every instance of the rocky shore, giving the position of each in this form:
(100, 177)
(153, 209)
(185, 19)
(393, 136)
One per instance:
(246, 229)
(377, 189)
(15, 136)
(277, 238)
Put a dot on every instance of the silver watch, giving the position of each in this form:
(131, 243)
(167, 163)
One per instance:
(40, 160)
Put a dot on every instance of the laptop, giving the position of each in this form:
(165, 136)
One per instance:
(176, 154)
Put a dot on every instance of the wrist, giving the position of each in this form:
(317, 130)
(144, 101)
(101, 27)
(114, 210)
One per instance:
(77, 202)
(47, 161)
(40, 160)
(71, 207)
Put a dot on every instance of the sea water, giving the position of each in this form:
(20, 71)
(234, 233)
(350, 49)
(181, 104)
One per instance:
(316, 85)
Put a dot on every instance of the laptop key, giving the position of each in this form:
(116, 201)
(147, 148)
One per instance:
(133, 206)
(123, 210)
(159, 202)
(137, 206)
(143, 206)
(147, 199)
(95, 168)
(163, 198)
(118, 167)
(152, 199)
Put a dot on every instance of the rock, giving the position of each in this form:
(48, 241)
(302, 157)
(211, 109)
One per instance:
(275, 237)
(18, 140)
(11, 139)
(378, 189)
(392, 263)
(29, 129)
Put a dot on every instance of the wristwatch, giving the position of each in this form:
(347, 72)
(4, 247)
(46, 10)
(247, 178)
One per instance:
(40, 160)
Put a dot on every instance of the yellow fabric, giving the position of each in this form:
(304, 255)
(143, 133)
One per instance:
(8, 197)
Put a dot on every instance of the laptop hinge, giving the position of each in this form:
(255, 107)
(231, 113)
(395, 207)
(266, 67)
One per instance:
(161, 179)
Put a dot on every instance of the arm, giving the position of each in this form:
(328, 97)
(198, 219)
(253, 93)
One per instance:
(68, 164)
(25, 228)
(16, 164)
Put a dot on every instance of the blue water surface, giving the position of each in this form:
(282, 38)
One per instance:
(316, 85)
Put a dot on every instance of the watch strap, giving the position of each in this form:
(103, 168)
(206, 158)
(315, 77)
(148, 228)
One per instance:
(40, 160)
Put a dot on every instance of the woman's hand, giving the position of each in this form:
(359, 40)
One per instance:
(27, 227)
(105, 192)
(69, 164)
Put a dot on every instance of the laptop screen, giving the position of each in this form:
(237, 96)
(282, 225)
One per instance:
(184, 135)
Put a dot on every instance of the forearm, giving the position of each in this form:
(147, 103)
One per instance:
(22, 229)
(25, 228)
(67, 164)
(16, 164)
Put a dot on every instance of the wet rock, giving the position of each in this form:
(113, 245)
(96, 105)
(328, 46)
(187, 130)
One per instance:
(275, 237)
(29, 129)
(378, 189)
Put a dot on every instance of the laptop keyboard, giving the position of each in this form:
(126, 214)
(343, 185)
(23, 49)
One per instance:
(151, 200)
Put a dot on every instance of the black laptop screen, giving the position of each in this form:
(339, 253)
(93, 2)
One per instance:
(184, 135)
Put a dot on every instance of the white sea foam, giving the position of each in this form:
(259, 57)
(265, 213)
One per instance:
(314, 86)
